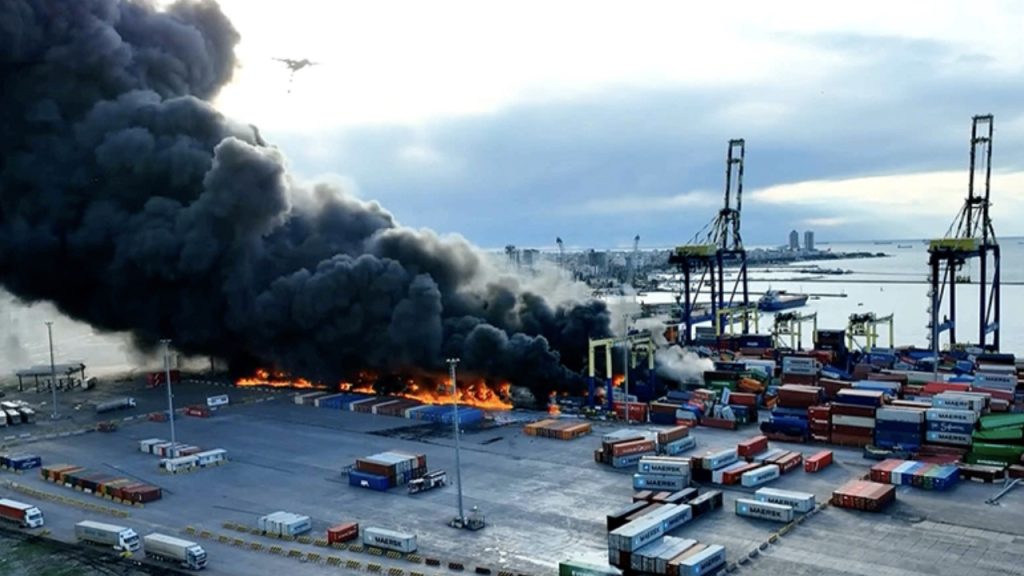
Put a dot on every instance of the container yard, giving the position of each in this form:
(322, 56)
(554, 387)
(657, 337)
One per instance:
(499, 461)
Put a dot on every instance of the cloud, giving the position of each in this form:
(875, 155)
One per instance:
(646, 205)
(825, 222)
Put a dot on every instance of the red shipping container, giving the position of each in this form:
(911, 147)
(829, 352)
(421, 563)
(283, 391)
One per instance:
(851, 439)
(673, 434)
(634, 447)
(819, 412)
(343, 532)
(743, 399)
(637, 411)
(755, 445)
(853, 430)
(643, 495)
(832, 387)
(853, 410)
(882, 472)
(933, 388)
(734, 476)
(789, 462)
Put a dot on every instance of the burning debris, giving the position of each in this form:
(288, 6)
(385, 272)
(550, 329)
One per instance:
(133, 205)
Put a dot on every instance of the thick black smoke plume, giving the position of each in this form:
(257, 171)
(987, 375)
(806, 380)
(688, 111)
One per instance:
(131, 203)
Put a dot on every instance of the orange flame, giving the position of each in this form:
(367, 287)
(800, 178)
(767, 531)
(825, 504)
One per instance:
(553, 408)
(277, 380)
(618, 379)
(476, 393)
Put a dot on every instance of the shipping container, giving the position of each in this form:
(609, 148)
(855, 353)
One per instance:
(211, 457)
(636, 534)
(707, 561)
(763, 510)
(706, 502)
(342, 532)
(146, 446)
(900, 415)
(760, 476)
(618, 518)
(673, 516)
(715, 460)
(798, 501)
(755, 445)
(368, 480)
(663, 465)
(679, 446)
(659, 482)
(389, 540)
(628, 461)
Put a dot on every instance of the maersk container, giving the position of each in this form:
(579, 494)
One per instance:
(799, 501)
(899, 415)
(664, 466)
(659, 564)
(679, 446)
(763, 510)
(389, 540)
(627, 461)
(949, 415)
(659, 482)
(760, 475)
(958, 402)
(707, 561)
(636, 534)
(717, 460)
(577, 568)
(673, 516)
(367, 480)
(949, 438)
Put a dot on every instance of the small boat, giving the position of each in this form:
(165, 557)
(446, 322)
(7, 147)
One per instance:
(780, 300)
(904, 246)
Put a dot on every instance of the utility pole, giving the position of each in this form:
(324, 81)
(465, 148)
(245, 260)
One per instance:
(625, 357)
(170, 397)
(53, 371)
(452, 362)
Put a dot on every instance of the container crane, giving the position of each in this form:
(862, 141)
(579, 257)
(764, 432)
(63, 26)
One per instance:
(707, 256)
(970, 236)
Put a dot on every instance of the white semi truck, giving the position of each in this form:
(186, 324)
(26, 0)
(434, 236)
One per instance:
(116, 537)
(170, 549)
(25, 515)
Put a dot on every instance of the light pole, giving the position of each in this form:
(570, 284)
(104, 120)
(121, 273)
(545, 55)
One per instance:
(455, 422)
(625, 357)
(170, 397)
(53, 371)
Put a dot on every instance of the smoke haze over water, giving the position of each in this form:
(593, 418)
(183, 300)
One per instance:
(133, 205)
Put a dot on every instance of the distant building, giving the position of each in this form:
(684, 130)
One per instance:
(794, 240)
(809, 241)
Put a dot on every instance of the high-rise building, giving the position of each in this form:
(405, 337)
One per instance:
(809, 241)
(794, 240)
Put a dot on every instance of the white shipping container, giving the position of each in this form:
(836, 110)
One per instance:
(660, 482)
(717, 460)
(179, 464)
(890, 388)
(799, 365)
(798, 501)
(666, 466)
(621, 436)
(947, 415)
(628, 461)
(855, 421)
(767, 455)
(639, 560)
(948, 438)
(146, 446)
(661, 561)
(958, 402)
(890, 414)
(996, 381)
(389, 540)
(707, 561)
(636, 534)
(673, 516)
(896, 475)
(210, 457)
(679, 446)
(760, 475)
(763, 510)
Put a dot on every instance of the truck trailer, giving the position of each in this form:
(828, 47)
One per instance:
(25, 515)
(118, 404)
(116, 537)
(170, 549)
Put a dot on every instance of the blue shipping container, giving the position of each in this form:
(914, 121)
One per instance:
(898, 427)
(367, 480)
(791, 412)
(25, 461)
(950, 427)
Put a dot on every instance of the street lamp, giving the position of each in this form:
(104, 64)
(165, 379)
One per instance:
(625, 364)
(452, 362)
(53, 371)
(170, 397)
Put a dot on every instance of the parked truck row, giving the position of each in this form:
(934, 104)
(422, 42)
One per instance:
(155, 546)
(15, 412)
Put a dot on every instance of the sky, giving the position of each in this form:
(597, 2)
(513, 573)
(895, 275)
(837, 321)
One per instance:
(519, 122)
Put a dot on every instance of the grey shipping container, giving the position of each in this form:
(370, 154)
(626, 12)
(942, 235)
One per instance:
(764, 510)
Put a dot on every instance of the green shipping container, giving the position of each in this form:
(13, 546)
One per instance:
(999, 435)
(1002, 421)
(998, 451)
(575, 568)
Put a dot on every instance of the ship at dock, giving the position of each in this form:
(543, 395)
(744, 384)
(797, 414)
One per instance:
(774, 300)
